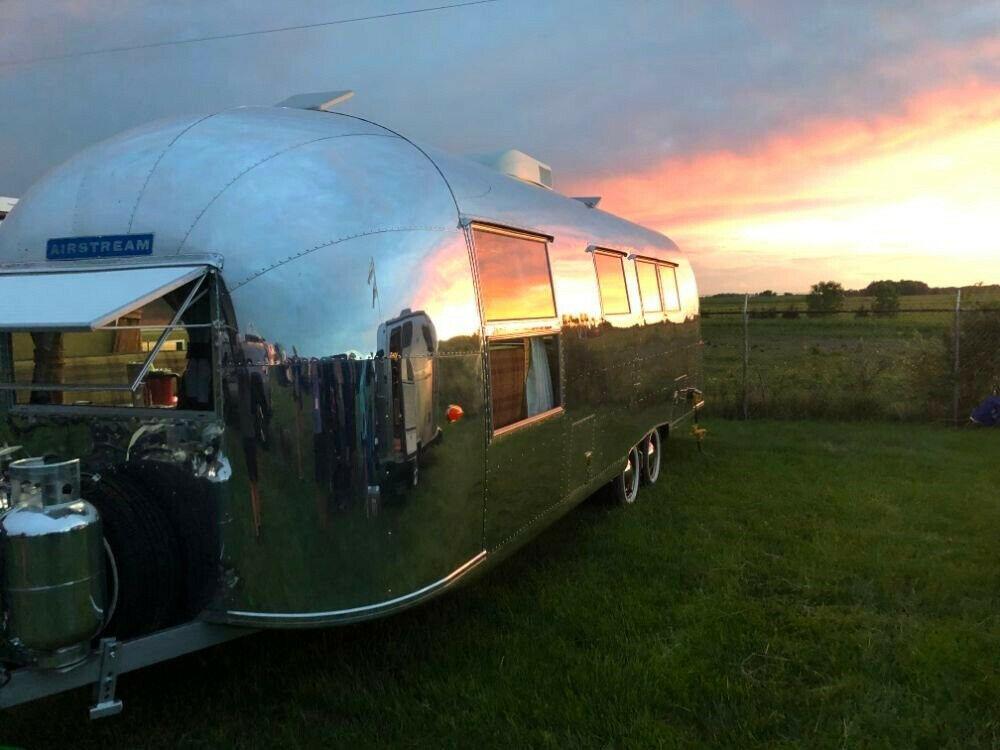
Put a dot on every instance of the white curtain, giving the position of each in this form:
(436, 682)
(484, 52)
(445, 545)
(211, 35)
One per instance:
(539, 383)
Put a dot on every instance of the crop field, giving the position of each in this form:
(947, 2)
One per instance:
(846, 366)
(798, 584)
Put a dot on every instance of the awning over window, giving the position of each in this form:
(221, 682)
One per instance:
(83, 300)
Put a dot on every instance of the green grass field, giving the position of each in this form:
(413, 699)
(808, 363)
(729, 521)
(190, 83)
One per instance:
(897, 367)
(797, 585)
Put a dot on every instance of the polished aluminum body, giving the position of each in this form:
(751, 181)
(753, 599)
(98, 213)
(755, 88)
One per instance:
(53, 588)
(327, 231)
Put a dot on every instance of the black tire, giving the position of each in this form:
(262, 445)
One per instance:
(625, 487)
(652, 457)
(122, 534)
(192, 512)
(145, 554)
(166, 552)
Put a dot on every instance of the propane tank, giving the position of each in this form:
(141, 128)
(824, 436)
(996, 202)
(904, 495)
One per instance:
(52, 553)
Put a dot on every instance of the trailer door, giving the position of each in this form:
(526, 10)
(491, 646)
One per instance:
(525, 424)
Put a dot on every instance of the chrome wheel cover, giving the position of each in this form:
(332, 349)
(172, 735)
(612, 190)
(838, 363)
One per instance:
(652, 448)
(630, 477)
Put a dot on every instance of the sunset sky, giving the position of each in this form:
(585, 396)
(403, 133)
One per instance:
(913, 194)
(778, 143)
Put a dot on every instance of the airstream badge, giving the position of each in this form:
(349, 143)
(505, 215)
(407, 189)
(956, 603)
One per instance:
(104, 246)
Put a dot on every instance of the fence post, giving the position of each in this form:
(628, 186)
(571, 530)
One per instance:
(957, 372)
(746, 357)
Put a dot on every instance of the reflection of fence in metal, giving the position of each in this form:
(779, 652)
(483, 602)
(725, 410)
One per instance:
(931, 363)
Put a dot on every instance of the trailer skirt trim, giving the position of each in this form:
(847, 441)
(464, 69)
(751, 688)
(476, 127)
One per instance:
(291, 619)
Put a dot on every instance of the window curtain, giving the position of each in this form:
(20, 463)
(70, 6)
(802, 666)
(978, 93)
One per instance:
(539, 384)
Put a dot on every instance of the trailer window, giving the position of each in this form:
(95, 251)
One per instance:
(649, 286)
(96, 368)
(611, 282)
(514, 277)
(668, 284)
(524, 378)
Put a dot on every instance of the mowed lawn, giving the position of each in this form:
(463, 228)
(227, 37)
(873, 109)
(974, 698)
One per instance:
(797, 585)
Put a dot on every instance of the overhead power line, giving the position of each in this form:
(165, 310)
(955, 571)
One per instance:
(237, 35)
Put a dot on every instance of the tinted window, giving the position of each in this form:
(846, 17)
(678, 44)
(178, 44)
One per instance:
(611, 280)
(668, 283)
(513, 277)
(649, 287)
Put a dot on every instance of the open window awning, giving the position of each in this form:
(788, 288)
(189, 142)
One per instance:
(83, 300)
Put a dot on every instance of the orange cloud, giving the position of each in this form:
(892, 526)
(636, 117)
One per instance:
(899, 192)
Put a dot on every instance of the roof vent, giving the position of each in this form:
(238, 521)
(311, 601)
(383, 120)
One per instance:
(518, 164)
(590, 201)
(322, 101)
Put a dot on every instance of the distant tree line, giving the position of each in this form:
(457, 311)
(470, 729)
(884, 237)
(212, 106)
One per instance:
(887, 288)
(829, 297)
(902, 288)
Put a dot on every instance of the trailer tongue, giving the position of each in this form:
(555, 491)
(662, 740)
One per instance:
(112, 658)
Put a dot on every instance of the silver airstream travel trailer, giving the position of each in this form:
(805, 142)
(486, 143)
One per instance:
(281, 368)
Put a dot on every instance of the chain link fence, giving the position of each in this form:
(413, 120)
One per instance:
(933, 362)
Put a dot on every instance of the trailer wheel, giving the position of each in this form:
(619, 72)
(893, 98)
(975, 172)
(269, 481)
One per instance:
(144, 552)
(111, 575)
(122, 573)
(193, 516)
(652, 457)
(626, 484)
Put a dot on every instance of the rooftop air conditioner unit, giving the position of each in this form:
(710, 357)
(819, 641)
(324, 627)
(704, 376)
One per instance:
(518, 164)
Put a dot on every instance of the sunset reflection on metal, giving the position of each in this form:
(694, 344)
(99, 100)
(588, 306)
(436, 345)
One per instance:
(611, 282)
(514, 278)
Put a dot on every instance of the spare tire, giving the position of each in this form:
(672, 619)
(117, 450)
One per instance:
(145, 553)
(192, 512)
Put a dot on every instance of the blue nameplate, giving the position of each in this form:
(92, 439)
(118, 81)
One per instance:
(105, 246)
